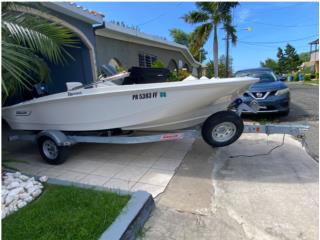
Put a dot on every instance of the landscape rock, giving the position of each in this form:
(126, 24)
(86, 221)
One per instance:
(21, 204)
(24, 177)
(43, 179)
(36, 193)
(17, 174)
(17, 191)
(8, 200)
(3, 213)
(13, 185)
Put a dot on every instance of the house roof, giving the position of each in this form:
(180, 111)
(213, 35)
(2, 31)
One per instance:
(76, 11)
(114, 31)
(315, 41)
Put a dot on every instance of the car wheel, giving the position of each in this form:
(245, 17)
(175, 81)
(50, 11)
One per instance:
(284, 113)
(222, 129)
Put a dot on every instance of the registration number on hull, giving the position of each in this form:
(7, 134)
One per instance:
(149, 95)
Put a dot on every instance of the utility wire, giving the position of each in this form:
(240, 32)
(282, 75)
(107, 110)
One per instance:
(282, 26)
(157, 17)
(282, 41)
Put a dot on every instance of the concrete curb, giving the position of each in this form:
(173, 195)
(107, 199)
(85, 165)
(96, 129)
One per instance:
(132, 217)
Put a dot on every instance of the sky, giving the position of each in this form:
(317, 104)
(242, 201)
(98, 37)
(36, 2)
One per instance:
(272, 24)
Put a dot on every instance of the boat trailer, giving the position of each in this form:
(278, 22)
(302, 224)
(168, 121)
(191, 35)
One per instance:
(60, 140)
(53, 144)
(66, 140)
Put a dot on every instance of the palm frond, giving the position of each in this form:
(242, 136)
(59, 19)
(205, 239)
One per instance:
(196, 17)
(46, 39)
(208, 7)
(228, 27)
(199, 36)
(20, 67)
(28, 41)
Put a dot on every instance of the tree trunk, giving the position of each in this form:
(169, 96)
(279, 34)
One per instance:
(215, 52)
(227, 55)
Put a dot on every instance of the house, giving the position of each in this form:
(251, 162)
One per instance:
(106, 43)
(124, 47)
(314, 55)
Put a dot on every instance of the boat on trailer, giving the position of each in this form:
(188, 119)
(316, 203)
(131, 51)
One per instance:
(149, 107)
(108, 112)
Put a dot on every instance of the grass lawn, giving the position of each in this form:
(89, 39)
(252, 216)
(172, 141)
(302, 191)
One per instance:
(64, 212)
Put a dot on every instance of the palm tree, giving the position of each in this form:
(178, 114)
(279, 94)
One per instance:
(230, 34)
(184, 38)
(28, 42)
(210, 15)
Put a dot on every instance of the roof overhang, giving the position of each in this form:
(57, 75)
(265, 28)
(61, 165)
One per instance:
(130, 35)
(74, 11)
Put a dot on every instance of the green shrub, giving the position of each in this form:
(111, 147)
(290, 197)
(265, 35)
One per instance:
(296, 77)
(120, 69)
(306, 70)
(317, 76)
(307, 77)
(157, 64)
(178, 76)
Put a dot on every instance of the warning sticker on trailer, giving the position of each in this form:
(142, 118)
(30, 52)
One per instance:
(171, 136)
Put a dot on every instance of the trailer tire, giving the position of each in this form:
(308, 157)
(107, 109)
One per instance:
(51, 152)
(222, 129)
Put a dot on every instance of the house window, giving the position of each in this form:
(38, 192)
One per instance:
(146, 60)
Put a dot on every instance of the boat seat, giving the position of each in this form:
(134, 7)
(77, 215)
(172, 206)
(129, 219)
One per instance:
(139, 75)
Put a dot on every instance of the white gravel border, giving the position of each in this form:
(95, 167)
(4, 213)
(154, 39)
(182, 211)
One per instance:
(18, 190)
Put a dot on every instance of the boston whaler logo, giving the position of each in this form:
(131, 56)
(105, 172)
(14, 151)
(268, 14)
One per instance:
(23, 113)
(149, 95)
(74, 93)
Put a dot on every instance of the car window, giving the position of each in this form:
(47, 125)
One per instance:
(264, 76)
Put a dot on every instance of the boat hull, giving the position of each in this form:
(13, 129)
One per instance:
(161, 106)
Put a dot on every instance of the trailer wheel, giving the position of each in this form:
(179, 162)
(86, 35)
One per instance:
(51, 152)
(222, 129)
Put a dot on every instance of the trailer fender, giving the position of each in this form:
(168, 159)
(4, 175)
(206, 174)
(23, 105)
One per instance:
(57, 136)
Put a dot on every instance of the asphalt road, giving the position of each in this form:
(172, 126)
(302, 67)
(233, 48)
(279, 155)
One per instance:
(304, 103)
(304, 109)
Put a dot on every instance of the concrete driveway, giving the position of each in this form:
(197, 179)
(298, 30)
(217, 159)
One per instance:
(240, 192)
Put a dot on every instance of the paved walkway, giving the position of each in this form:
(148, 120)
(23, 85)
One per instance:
(215, 196)
(147, 167)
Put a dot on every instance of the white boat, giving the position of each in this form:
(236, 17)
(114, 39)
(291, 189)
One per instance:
(154, 106)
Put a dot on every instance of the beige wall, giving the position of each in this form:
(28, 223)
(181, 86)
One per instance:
(127, 53)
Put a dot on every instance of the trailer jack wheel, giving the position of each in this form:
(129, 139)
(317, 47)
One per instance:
(51, 152)
(222, 129)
